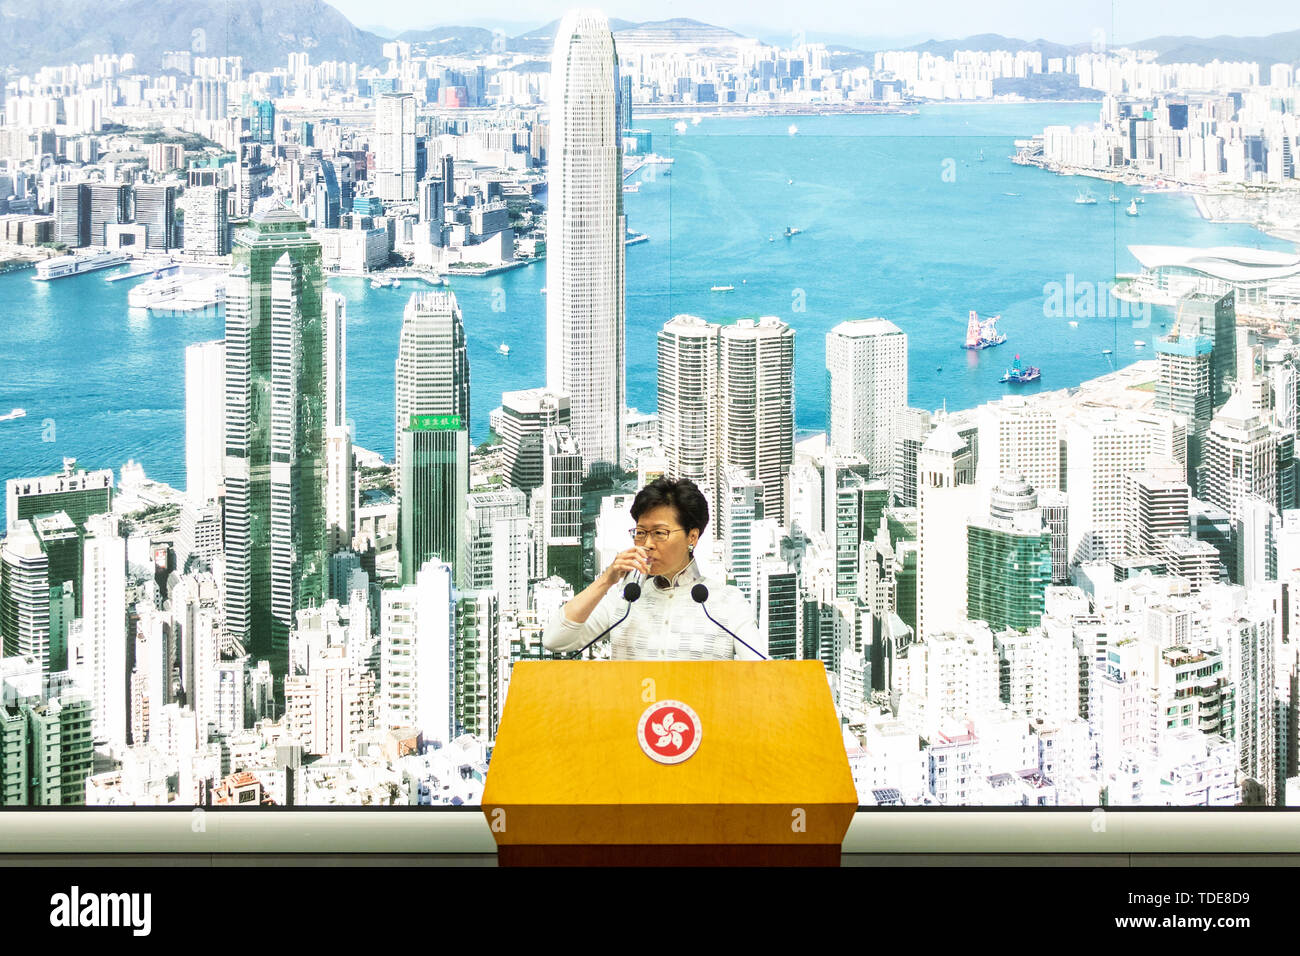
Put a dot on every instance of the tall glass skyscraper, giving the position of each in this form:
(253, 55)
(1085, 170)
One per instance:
(275, 435)
(432, 371)
(585, 320)
(433, 514)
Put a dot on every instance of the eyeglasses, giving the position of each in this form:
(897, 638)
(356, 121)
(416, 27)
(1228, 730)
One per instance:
(659, 535)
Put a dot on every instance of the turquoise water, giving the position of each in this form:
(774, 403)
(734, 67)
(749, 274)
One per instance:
(900, 219)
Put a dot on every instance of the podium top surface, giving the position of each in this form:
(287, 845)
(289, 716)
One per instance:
(758, 732)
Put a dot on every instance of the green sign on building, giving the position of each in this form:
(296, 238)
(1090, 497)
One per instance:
(435, 423)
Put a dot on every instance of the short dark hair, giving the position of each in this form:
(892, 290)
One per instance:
(682, 494)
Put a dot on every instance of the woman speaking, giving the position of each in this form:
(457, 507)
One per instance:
(669, 621)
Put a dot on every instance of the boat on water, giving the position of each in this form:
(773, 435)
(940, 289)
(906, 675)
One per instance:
(789, 182)
(792, 231)
(385, 283)
(1113, 197)
(983, 334)
(1105, 351)
(1139, 344)
(771, 238)
(62, 266)
(16, 413)
(1019, 374)
(1012, 195)
(503, 349)
(722, 288)
(1132, 209)
(1085, 198)
(1073, 324)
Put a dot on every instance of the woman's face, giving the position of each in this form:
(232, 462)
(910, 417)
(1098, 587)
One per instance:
(670, 555)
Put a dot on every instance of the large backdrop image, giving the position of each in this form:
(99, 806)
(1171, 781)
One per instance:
(337, 343)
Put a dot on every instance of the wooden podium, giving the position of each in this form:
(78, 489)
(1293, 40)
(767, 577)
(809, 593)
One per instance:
(669, 763)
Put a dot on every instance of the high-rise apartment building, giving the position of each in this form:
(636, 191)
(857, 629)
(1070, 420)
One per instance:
(340, 486)
(688, 401)
(585, 318)
(207, 220)
(395, 147)
(867, 361)
(205, 419)
(756, 423)
(155, 209)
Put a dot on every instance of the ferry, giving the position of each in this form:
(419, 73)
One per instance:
(792, 231)
(16, 413)
(983, 335)
(503, 349)
(1019, 374)
(156, 292)
(1132, 209)
(722, 288)
(1085, 198)
(78, 263)
(1139, 344)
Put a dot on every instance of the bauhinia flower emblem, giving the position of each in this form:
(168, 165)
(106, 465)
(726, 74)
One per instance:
(669, 731)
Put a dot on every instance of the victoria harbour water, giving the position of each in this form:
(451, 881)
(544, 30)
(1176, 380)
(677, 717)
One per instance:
(916, 218)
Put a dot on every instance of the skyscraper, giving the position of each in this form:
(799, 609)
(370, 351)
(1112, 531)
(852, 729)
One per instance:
(1186, 385)
(867, 361)
(1216, 317)
(432, 364)
(25, 595)
(339, 485)
(155, 209)
(433, 509)
(585, 336)
(561, 500)
(1241, 457)
(756, 360)
(98, 655)
(1008, 559)
(275, 435)
(205, 419)
(946, 500)
(525, 415)
(395, 152)
(688, 401)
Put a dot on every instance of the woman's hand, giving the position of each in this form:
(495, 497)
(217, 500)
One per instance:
(633, 559)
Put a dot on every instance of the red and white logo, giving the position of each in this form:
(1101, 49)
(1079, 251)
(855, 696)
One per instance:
(669, 731)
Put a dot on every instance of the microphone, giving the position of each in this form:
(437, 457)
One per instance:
(700, 594)
(631, 592)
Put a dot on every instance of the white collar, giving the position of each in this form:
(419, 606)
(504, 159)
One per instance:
(686, 576)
